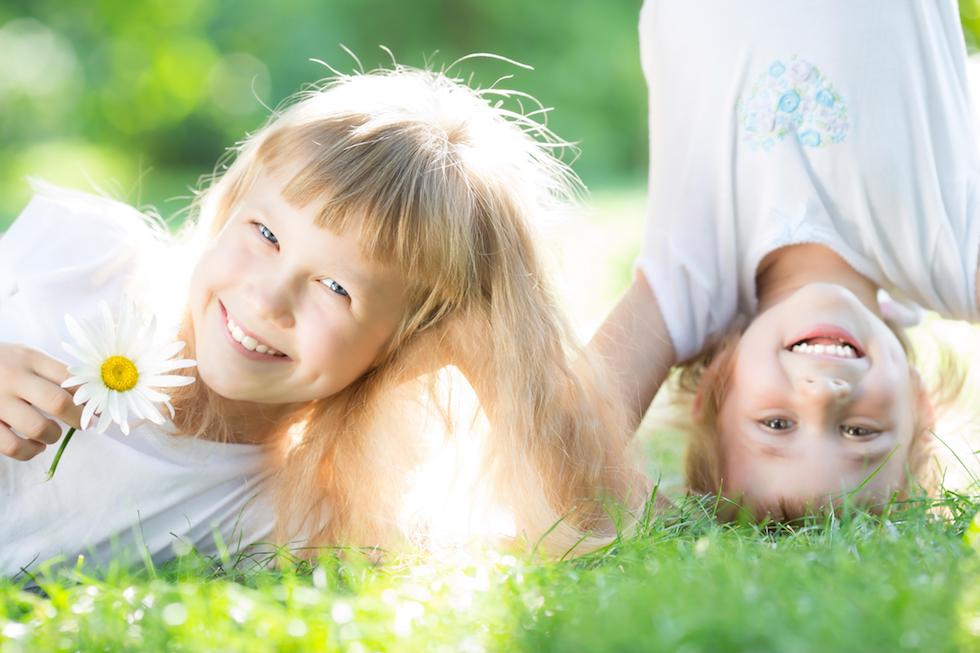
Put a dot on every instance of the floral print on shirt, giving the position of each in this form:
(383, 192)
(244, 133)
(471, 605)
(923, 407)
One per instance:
(791, 99)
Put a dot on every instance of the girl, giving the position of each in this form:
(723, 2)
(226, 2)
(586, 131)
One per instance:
(808, 156)
(375, 231)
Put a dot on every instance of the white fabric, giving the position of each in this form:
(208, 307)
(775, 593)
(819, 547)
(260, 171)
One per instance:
(875, 157)
(112, 494)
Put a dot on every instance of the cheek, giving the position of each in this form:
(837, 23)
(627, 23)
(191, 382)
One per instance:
(218, 267)
(333, 354)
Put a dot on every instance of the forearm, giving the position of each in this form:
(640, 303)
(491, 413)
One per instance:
(635, 345)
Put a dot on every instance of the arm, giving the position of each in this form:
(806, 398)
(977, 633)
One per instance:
(635, 344)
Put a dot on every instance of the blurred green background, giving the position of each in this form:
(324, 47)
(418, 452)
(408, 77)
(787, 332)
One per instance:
(139, 99)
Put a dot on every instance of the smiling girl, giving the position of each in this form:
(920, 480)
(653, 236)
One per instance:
(375, 231)
(812, 155)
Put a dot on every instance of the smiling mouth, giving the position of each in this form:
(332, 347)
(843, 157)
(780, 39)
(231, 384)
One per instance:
(252, 345)
(825, 347)
(827, 341)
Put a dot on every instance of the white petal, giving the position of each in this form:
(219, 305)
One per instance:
(114, 407)
(99, 338)
(104, 421)
(82, 337)
(120, 341)
(147, 409)
(171, 350)
(148, 333)
(75, 380)
(84, 393)
(132, 406)
(143, 342)
(122, 409)
(108, 326)
(89, 410)
(169, 381)
(79, 352)
(88, 370)
(167, 366)
(153, 395)
(143, 353)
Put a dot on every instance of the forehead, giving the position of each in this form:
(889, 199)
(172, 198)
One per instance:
(317, 242)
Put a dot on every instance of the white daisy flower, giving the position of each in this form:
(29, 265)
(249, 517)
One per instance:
(121, 365)
(120, 370)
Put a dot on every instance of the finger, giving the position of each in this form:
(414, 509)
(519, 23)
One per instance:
(27, 422)
(48, 367)
(16, 447)
(46, 395)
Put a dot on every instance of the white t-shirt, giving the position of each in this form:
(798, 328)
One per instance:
(842, 123)
(112, 494)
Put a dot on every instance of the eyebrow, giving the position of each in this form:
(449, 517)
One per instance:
(350, 275)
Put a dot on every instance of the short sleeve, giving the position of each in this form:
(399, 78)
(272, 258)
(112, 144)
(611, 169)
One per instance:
(688, 253)
(696, 302)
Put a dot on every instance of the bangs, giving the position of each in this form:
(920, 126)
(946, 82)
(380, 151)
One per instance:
(394, 185)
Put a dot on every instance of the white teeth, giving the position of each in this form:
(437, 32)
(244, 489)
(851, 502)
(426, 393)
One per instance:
(841, 351)
(248, 342)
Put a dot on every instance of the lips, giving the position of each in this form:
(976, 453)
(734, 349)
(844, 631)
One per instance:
(826, 337)
(246, 342)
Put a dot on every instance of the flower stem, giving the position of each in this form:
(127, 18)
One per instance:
(61, 450)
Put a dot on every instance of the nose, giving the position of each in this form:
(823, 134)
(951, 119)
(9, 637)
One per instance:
(270, 299)
(823, 388)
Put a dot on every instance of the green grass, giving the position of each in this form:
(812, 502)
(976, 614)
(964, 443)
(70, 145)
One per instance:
(903, 581)
(907, 580)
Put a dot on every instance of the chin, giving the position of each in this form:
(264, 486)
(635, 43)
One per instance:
(828, 293)
(220, 383)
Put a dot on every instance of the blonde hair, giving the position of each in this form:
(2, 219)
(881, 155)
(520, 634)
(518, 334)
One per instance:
(443, 184)
(703, 383)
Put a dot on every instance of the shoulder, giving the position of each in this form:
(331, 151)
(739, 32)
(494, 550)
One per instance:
(64, 209)
(66, 250)
(62, 229)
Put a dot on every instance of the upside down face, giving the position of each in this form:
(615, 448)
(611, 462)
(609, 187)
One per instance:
(822, 401)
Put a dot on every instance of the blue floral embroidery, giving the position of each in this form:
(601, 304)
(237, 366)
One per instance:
(825, 98)
(792, 98)
(808, 137)
(789, 101)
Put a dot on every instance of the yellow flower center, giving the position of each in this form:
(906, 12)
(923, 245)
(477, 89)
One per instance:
(120, 373)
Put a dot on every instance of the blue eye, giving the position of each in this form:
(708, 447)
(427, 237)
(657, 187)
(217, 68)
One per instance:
(336, 287)
(777, 423)
(267, 234)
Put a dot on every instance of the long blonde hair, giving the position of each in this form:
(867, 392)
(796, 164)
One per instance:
(445, 185)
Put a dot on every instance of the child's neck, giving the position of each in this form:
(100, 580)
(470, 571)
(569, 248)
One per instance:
(786, 270)
(255, 423)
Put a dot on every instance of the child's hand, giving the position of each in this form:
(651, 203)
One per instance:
(29, 384)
